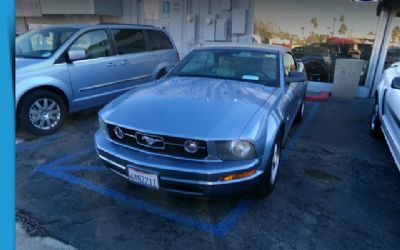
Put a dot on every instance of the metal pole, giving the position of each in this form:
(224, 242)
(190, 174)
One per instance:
(381, 32)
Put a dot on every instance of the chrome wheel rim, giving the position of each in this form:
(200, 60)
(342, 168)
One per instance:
(374, 117)
(45, 113)
(275, 163)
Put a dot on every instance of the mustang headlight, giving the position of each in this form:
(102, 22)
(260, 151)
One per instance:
(235, 150)
(102, 125)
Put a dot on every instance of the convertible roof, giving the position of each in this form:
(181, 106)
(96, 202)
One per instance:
(279, 48)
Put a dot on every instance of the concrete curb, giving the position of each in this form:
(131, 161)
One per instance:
(24, 241)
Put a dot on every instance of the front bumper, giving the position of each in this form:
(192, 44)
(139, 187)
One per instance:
(184, 176)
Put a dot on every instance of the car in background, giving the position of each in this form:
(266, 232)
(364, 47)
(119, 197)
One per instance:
(319, 59)
(67, 68)
(385, 118)
(213, 126)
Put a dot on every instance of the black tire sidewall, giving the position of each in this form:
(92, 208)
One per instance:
(28, 100)
(376, 132)
(299, 115)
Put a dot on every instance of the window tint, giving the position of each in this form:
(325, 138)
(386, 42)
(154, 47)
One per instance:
(159, 40)
(129, 40)
(289, 63)
(94, 43)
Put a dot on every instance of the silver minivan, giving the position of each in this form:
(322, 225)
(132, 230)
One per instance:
(67, 68)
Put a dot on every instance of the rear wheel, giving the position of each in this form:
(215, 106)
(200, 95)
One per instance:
(42, 112)
(375, 123)
(270, 174)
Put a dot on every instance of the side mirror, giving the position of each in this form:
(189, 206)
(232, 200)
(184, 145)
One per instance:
(76, 54)
(396, 83)
(295, 76)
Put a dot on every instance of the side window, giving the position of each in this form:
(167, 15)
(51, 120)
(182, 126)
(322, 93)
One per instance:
(159, 40)
(94, 43)
(129, 40)
(289, 63)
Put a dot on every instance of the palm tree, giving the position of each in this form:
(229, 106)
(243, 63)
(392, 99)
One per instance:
(314, 22)
(343, 29)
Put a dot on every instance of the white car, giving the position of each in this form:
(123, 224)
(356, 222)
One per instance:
(385, 118)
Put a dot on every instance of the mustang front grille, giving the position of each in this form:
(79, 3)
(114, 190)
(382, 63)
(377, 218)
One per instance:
(175, 146)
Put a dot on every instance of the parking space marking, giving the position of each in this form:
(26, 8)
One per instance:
(222, 228)
(21, 146)
(219, 229)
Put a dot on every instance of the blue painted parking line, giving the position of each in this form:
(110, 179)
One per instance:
(21, 147)
(222, 228)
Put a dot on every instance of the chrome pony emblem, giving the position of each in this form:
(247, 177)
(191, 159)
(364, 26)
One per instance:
(150, 141)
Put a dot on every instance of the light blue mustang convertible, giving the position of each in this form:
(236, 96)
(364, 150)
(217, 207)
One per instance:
(213, 126)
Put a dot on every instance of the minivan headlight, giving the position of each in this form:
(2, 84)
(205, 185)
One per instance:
(235, 150)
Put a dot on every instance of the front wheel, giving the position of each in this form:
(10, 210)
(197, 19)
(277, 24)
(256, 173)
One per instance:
(375, 123)
(270, 174)
(300, 113)
(42, 112)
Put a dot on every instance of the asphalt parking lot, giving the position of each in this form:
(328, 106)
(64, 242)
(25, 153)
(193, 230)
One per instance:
(338, 189)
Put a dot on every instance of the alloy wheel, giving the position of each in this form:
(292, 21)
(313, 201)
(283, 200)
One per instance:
(45, 113)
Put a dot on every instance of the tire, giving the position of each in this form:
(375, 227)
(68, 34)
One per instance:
(270, 175)
(300, 112)
(375, 123)
(42, 112)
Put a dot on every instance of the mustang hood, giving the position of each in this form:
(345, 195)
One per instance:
(201, 108)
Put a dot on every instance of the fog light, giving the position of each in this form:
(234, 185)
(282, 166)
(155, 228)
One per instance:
(238, 176)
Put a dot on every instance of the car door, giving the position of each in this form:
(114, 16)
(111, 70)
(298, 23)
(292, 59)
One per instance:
(135, 63)
(163, 50)
(391, 114)
(94, 79)
(294, 90)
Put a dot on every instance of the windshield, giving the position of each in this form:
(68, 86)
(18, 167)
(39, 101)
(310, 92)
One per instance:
(42, 43)
(234, 64)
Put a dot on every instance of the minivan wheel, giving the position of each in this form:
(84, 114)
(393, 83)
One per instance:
(375, 123)
(42, 112)
(270, 175)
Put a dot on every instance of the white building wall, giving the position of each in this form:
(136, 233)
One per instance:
(188, 21)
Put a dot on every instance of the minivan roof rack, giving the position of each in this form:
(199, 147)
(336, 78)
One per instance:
(134, 24)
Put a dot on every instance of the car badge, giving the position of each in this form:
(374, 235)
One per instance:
(118, 132)
(190, 146)
(150, 141)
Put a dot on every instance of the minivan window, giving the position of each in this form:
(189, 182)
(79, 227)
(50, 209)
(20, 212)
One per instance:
(42, 43)
(129, 40)
(95, 43)
(159, 40)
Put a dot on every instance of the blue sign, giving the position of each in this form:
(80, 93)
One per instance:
(165, 8)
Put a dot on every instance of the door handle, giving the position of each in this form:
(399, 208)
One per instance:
(110, 64)
(123, 62)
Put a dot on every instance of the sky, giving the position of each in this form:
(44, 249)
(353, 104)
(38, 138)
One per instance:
(291, 15)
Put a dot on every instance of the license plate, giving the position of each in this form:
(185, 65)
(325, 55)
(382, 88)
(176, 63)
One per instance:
(143, 178)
